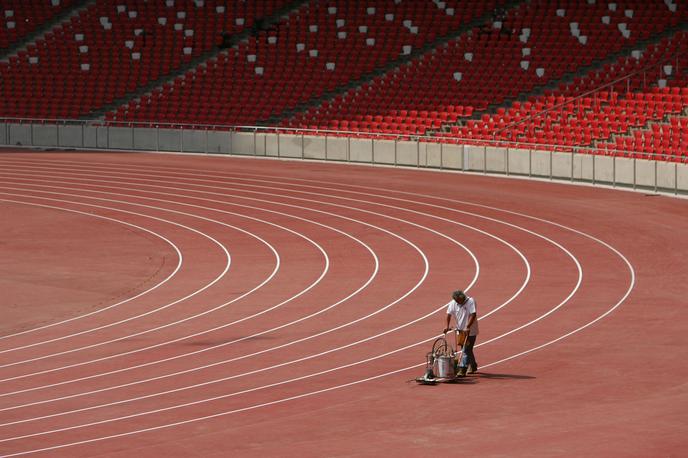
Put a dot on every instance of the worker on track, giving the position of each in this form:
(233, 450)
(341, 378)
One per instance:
(464, 310)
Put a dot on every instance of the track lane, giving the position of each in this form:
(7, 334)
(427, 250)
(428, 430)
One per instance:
(506, 309)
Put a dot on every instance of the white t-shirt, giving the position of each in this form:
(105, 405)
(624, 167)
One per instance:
(461, 313)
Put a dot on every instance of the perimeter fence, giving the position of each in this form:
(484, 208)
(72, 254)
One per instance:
(657, 173)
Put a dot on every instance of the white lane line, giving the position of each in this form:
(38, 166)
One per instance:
(357, 291)
(227, 188)
(520, 254)
(561, 304)
(319, 187)
(271, 178)
(146, 183)
(341, 386)
(103, 309)
(318, 355)
(473, 257)
(292, 380)
(223, 379)
(302, 359)
(218, 278)
(420, 281)
(112, 356)
(599, 318)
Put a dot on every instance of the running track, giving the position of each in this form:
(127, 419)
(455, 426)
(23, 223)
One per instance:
(165, 305)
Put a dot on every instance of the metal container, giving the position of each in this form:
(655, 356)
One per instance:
(445, 367)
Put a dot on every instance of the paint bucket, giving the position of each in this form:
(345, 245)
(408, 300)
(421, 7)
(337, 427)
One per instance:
(445, 367)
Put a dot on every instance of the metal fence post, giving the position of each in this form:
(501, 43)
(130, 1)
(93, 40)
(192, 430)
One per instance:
(372, 148)
(573, 158)
(530, 162)
(348, 148)
(441, 155)
(485, 159)
(417, 152)
(614, 171)
(395, 150)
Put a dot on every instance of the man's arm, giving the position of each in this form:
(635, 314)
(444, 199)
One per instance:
(446, 328)
(471, 319)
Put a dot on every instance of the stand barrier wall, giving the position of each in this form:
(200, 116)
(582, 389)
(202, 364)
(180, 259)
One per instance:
(578, 166)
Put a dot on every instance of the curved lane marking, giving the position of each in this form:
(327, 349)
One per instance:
(95, 312)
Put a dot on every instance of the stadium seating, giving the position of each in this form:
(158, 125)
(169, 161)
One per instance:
(318, 48)
(114, 47)
(534, 43)
(21, 17)
(560, 118)
(665, 137)
(336, 65)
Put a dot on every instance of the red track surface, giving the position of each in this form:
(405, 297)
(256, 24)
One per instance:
(198, 306)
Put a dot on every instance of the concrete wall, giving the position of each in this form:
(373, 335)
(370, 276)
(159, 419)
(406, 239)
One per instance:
(71, 136)
(195, 141)
(541, 164)
(519, 161)
(45, 135)
(624, 170)
(219, 142)
(453, 156)
(245, 143)
(407, 153)
(666, 175)
(169, 140)
(272, 145)
(495, 159)
(561, 164)
(19, 134)
(146, 139)
(473, 158)
(290, 146)
(575, 166)
(645, 173)
(361, 150)
(441, 155)
(384, 152)
(682, 177)
(337, 148)
(120, 138)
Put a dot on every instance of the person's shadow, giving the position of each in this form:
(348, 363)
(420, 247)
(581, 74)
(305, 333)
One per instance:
(493, 376)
